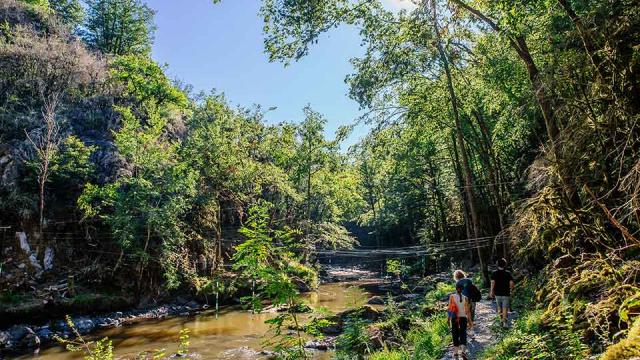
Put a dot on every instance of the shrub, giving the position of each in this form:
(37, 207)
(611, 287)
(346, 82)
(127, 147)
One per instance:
(442, 289)
(389, 355)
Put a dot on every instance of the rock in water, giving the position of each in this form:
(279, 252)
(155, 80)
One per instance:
(84, 325)
(5, 340)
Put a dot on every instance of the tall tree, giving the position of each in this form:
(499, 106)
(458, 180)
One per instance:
(119, 27)
(69, 11)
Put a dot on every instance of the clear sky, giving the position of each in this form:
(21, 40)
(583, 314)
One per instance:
(220, 47)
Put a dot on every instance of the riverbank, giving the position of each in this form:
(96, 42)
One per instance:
(29, 338)
(383, 305)
(92, 316)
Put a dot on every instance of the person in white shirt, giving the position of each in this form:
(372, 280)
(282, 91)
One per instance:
(459, 319)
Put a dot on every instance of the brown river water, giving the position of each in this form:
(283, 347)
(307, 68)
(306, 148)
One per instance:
(213, 337)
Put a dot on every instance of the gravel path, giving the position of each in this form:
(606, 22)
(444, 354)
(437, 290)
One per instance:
(481, 336)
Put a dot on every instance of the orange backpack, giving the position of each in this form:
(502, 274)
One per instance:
(453, 307)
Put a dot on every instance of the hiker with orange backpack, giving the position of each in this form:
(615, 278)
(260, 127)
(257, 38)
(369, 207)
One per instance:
(459, 312)
(469, 289)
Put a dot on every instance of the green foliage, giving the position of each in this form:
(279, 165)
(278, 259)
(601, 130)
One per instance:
(389, 355)
(430, 339)
(264, 258)
(41, 3)
(73, 163)
(442, 290)
(99, 350)
(11, 298)
(151, 198)
(145, 82)
(354, 342)
(183, 344)
(70, 12)
(119, 27)
(396, 267)
(526, 340)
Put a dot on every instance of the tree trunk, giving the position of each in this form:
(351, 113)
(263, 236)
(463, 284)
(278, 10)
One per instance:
(519, 44)
(466, 168)
(438, 195)
(585, 36)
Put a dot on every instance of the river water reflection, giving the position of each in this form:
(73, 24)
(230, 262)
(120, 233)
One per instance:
(213, 337)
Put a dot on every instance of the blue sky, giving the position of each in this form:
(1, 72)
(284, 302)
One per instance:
(220, 47)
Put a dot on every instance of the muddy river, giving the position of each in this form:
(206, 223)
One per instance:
(210, 336)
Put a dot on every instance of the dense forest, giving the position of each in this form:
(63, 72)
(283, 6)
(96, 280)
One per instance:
(497, 129)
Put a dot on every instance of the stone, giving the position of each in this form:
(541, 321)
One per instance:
(376, 300)
(301, 285)
(241, 353)
(365, 312)
(334, 328)
(36, 265)
(324, 344)
(192, 305)
(407, 297)
(30, 340)
(24, 244)
(17, 332)
(44, 333)
(84, 325)
(5, 340)
(48, 259)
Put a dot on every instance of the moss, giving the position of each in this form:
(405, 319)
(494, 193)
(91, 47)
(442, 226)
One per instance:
(626, 349)
(532, 337)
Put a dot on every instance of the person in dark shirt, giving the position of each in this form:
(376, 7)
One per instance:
(461, 279)
(501, 286)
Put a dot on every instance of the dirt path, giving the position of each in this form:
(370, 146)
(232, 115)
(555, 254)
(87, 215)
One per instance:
(481, 336)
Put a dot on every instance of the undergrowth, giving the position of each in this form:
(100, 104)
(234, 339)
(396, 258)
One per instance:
(426, 337)
(535, 335)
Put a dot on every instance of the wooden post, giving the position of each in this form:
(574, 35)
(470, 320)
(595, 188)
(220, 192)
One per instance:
(217, 291)
(253, 295)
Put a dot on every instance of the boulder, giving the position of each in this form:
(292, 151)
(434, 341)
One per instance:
(246, 353)
(84, 325)
(192, 305)
(365, 312)
(30, 340)
(24, 244)
(48, 259)
(5, 340)
(301, 285)
(334, 327)
(376, 300)
(321, 344)
(407, 297)
(44, 333)
(17, 332)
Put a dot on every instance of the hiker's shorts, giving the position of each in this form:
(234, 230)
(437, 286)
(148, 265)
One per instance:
(502, 302)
